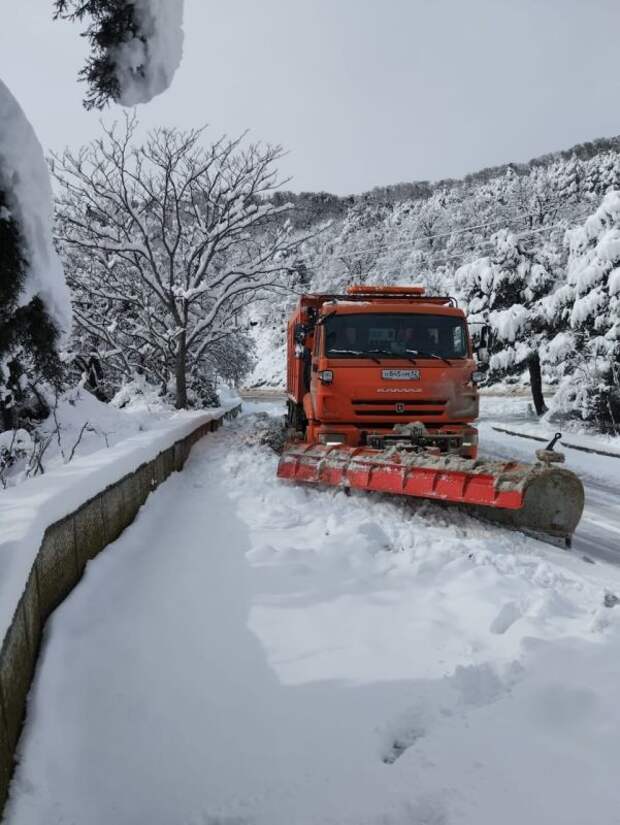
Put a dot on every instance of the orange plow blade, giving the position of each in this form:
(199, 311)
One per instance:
(546, 501)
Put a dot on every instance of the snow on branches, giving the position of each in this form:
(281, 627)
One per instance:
(589, 349)
(25, 180)
(35, 309)
(504, 291)
(167, 242)
(136, 47)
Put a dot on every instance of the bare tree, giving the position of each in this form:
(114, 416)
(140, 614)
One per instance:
(362, 244)
(167, 242)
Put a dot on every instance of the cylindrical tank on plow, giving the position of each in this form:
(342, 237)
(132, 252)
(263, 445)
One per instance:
(541, 499)
(552, 504)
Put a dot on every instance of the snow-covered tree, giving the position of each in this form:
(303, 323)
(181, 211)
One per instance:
(360, 243)
(135, 47)
(35, 309)
(168, 242)
(588, 351)
(504, 291)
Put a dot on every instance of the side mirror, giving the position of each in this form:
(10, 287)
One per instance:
(299, 333)
(482, 349)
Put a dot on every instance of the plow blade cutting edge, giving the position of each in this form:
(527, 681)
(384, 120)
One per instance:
(546, 501)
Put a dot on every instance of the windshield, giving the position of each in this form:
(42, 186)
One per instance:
(395, 336)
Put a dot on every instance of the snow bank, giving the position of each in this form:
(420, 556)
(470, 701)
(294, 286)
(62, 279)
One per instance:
(25, 178)
(80, 424)
(146, 65)
(27, 510)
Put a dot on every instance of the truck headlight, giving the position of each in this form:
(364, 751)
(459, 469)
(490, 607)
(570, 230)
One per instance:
(477, 376)
(326, 376)
(470, 438)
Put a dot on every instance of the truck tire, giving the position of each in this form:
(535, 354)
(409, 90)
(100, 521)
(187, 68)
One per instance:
(296, 418)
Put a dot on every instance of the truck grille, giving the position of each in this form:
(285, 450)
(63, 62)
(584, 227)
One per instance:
(407, 407)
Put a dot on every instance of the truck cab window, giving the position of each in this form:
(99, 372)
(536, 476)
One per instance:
(402, 335)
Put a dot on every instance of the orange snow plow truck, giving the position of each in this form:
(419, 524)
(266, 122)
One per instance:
(382, 396)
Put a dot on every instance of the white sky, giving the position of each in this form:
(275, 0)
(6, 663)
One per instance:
(361, 92)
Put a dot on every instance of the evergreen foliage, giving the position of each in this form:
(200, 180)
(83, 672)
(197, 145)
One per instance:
(28, 337)
(136, 47)
(586, 348)
(111, 23)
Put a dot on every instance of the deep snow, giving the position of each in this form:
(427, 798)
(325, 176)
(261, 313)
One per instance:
(120, 443)
(254, 653)
(78, 425)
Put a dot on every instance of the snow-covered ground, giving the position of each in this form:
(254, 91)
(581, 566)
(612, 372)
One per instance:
(255, 653)
(80, 425)
(598, 533)
(130, 439)
(515, 412)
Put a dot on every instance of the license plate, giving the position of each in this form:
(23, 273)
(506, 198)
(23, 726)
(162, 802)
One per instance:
(401, 375)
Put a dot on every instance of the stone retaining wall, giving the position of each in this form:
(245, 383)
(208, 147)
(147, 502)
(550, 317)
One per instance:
(66, 548)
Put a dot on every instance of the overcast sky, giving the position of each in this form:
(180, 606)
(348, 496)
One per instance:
(361, 92)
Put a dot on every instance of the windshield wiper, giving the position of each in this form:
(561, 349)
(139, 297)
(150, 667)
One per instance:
(355, 352)
(423, 354)
(393, 354)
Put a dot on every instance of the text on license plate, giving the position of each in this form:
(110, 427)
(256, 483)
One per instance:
(401, 375)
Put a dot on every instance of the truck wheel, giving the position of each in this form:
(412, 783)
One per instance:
(296, 418)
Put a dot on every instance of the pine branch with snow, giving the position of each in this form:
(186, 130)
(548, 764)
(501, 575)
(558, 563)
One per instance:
(35, 310)
(136, 47)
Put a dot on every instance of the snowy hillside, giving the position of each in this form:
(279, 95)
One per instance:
(530, 250)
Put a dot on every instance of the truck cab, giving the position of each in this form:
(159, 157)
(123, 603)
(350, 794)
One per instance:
(382, 364)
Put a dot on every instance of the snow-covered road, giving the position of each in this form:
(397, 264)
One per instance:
(598, 533)
(254, 653)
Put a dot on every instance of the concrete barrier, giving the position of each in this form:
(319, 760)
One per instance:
(66, 548)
